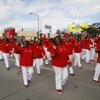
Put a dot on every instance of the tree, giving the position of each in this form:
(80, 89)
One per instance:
(58, 32)
(92, 29)
(62, 32)
(98, 30)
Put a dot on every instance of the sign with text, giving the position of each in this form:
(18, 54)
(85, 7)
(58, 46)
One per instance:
(77, 27)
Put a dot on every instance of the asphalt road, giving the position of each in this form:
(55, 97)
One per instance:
(78, 87)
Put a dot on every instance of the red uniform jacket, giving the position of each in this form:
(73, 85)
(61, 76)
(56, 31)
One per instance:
(45, 42)
(14, 46)
(26, 56)
(32, 44)
(40, 51)
(93, 43)
(0, 46)
(77, 47)
(87, 44)
(97, 41)
(49, 46)
(6, 47)
(60, 57)
(98, 51)
(72, 40)
(69, 47)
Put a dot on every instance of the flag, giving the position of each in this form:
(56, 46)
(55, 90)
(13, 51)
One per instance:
(48, 27)
(65, 30)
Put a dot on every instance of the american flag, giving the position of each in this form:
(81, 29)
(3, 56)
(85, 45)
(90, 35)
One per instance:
(48, 27)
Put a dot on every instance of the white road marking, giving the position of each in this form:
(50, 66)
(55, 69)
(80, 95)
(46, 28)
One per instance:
(42, 67)
(47, 68)
(12, 59)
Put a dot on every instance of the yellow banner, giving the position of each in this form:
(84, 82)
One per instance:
(76, 27)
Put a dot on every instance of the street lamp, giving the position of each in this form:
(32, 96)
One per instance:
(40, 24)
(38, 20)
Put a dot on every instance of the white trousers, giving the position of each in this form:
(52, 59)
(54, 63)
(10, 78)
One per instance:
(77, 59)
(87, 55)
(96, 55)
(48, 56)
(92, 53)
(17, 57)
(70, 68)
(27, 73)
(34, 62)
(61, 75)
(12, 52)
(39, 64)
(0, 55)
(6, 57)
(97, 72)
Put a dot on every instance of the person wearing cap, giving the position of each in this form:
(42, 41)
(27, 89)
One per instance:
(69, 47)
(77, 46)
(26, 61)
(45, 46)
(97, 68)
(87, 47)
(60, 60)
(23, 36)
(39, 57)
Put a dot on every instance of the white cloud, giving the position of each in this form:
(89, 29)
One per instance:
(58, 13)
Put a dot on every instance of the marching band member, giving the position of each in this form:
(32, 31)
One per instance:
(97, 69)
(60, 60)
(69, 47)
(96, 43)
(87, 44)
(77, 50)
(6, 50)
(40, 55)
(16, 54)
(92, 50)
(51, 41)
(11, 41)
(33, 46)
(45, 44)
(26, 61)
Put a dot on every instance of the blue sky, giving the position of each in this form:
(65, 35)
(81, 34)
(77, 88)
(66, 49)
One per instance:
(57, 13)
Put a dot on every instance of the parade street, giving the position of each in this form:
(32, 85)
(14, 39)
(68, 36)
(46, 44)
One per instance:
(78, 87)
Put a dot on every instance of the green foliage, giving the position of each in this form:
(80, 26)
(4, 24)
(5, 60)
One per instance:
(92, 30)
(58, 31)
(98, 30)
